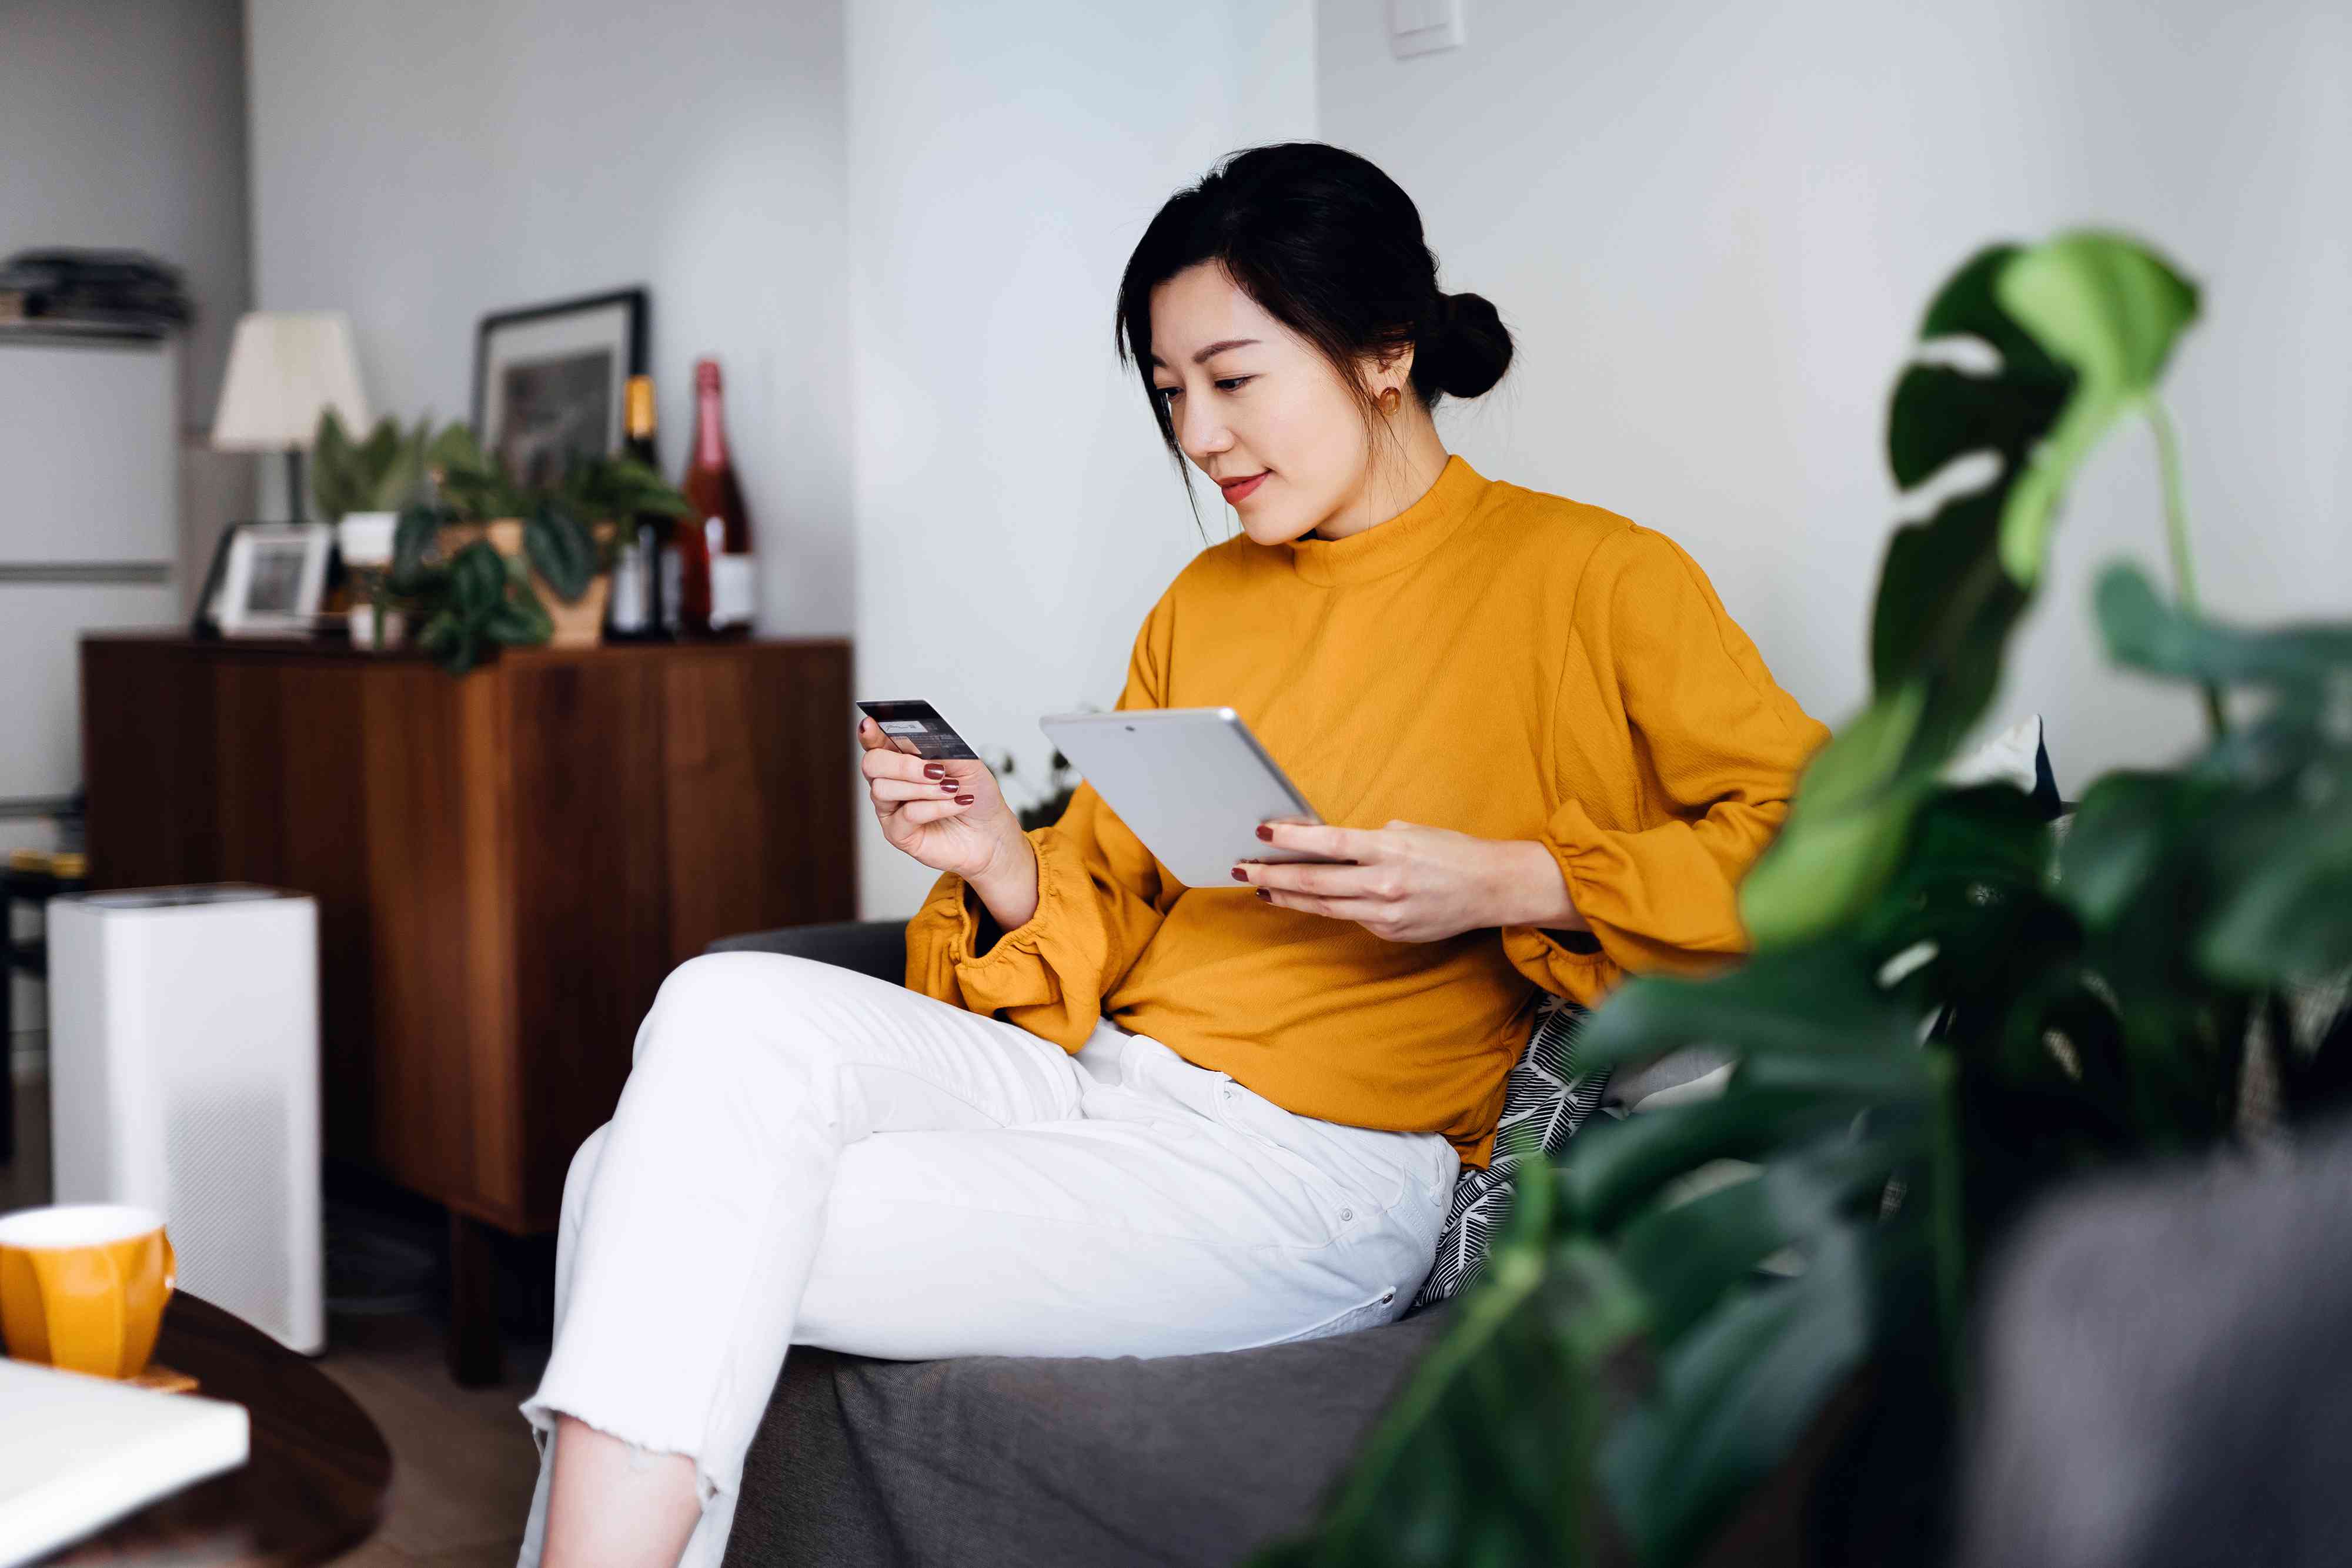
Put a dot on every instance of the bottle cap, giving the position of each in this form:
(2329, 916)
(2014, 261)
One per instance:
(70, 865)
(706, 374)
(30, 859)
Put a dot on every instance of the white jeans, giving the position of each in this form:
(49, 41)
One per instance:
(803, 1154)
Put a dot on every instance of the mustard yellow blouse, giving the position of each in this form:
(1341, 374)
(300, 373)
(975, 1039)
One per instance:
(1492, 660)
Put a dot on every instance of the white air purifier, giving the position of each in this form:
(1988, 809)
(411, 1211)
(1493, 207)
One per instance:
(183, 1077)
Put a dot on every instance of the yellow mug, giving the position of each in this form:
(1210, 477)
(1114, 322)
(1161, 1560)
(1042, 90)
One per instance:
(83, 1286)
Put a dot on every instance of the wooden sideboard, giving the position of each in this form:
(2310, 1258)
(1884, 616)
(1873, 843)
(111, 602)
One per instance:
(506, 865)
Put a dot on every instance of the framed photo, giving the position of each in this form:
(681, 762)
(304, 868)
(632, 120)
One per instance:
(550, 381)
(272, 578)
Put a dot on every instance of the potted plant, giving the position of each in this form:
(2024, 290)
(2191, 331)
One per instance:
(567, 534)
(490, 564)
(1952, 1005)
(360, 487)
(468, 598)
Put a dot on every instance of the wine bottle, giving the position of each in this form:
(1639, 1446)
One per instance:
(716, 581)
(637, 614)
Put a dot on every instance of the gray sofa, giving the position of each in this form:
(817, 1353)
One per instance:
(1044, 1461)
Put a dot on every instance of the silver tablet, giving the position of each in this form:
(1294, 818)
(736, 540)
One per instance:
(1192, 782)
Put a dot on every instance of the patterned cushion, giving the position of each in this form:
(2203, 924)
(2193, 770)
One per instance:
(1544, 1100)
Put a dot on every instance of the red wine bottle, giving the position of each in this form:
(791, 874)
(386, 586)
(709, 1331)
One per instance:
(717, 584)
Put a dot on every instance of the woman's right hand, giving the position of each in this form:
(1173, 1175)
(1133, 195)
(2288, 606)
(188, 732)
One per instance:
(948, 814)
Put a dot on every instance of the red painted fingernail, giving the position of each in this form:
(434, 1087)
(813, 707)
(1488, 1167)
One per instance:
(932, 770)
(963, 800)
(1265, 832)
(1240, 875)
(1262, 894)
(950, 784)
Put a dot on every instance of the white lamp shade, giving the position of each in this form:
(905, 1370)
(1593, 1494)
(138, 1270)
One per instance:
(284, 367)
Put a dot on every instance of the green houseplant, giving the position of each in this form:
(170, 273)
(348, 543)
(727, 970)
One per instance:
(1952, 1007)
(478, 565)
(383, 473)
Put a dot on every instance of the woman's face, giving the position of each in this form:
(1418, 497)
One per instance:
(1254, 407)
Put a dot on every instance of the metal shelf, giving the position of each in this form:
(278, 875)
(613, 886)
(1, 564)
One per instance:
(82, 573)
(93, 338)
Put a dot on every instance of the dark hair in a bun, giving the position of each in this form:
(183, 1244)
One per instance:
(1330, 248)
(1472, 349)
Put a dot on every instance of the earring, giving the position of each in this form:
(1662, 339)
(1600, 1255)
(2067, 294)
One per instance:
(1388, 399)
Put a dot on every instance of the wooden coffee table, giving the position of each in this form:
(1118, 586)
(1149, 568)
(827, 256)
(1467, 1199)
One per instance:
(313, 1485)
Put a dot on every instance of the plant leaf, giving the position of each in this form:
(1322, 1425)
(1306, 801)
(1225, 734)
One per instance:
(2146, 633)
(1734, 1397)
(1844, 832)
(331, 461)
(477, 581)
(1618, 1165)
(562, 550)
(401, 480)
(2281, 867)
(2288, 926)
(1819, 998)
(1481, 1458)
(2122, 829)
(1685, 1257)
(2092, 314)
(2111, 310)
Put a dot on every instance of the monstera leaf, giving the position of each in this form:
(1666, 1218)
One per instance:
(2077, 331)
(1948, 1012)
(2261, 824)
(2111, 310)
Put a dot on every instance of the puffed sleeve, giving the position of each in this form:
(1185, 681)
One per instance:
(1100, 897)
(1716, 737)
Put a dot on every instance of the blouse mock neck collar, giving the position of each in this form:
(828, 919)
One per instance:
(1386, 547)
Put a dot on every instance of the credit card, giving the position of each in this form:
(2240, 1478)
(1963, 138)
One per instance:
(916, 728)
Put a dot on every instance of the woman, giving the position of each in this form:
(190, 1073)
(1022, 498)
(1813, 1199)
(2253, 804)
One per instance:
(1109, 1114)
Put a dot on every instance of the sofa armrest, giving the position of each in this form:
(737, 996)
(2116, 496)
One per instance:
(875, 947)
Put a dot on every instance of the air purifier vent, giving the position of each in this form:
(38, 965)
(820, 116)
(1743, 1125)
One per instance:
(227, 1161)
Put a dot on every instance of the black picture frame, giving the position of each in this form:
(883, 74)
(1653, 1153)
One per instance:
(567, 380)
(204, 626)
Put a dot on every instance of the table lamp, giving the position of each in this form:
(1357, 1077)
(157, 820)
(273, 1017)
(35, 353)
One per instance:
(284, 367)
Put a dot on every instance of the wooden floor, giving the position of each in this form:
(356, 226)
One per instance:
(463, 1463)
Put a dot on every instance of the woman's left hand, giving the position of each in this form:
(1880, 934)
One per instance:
(1410, 883)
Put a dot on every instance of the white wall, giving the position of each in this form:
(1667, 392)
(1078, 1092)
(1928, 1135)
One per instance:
(124, 125)
(125, 121)
(1016, 514)
(900, 224)
(1714, 227)
(420, 166)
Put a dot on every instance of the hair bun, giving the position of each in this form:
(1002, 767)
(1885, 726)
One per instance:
(1473, 347)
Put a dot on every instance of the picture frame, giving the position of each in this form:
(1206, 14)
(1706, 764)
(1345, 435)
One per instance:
(272, 579)
(205, 624)
(551, 381)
